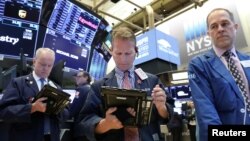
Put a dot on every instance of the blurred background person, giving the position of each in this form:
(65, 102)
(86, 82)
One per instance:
(82, 80)
(175, 126)
(191, 120)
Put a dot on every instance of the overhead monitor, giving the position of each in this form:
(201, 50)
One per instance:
(98, 66)
(75, 56)
(71, 29)
(107, 41)
(180, 91)
(19, 27)
(71, 19)
(103, 30)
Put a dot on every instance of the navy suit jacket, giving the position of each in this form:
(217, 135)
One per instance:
(216, 95)
(93, 111)
(15, 108)
(76, 107)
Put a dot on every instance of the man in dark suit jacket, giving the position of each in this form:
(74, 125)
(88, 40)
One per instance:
(83, 80)
(217, 98)
(26, 117)
(103, 125)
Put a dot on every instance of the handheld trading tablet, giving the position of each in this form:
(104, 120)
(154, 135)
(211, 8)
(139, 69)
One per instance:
(56, 101)
(124, 98)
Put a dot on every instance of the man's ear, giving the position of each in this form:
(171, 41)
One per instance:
(136, 51)
(236, 26)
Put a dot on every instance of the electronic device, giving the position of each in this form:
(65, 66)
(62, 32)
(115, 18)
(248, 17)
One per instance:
(19, 23)
(56, 101)
(124, 98)
(70, 29)
(98, 65)
(180, 91)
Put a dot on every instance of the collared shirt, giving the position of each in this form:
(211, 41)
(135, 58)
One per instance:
(46, 117)
(219, 52)
(37, 79)
(120, 74)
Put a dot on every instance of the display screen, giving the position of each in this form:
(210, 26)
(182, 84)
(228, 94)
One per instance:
(107, 41)
(98, 43)
(19, 27)
(180, 92)
(67, 18)
(25, 10)
(70, 31)
(102, 32)
(75, 55)
(98, 66)
(15, 35)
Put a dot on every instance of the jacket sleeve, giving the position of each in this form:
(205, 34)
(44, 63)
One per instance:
(79, 101)
(13, 106)
(202, 95)
(91, 114)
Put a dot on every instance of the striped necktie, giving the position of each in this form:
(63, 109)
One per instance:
(126, 83)
(130, 133)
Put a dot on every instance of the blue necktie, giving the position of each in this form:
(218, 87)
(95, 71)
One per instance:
(46, 117)
(237, 77)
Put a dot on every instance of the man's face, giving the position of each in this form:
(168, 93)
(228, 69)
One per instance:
(221, 29)
(123, 52)
(43, 65)
(80, 79)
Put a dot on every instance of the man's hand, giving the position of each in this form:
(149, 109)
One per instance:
(39, 105)
(131, 111)
(159, 96)
(159, 99)
(109, 122)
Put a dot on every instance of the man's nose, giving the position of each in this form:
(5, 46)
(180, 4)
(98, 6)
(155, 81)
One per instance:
(123, 58)
(220, 28)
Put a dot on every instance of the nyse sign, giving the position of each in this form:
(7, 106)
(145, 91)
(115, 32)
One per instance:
(198, 45)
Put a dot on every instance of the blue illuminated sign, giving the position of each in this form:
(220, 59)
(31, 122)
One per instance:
(156, 44)
(167, 48)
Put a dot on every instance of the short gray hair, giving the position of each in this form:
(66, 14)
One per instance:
(42, 50)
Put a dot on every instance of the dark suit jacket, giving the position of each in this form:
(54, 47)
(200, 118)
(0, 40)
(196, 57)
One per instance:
(15, 108)
(93, 111)
(216, 95)
(77, 105)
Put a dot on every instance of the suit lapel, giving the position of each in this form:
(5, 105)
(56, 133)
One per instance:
(30, 81)
(110, 79)
(221, 69)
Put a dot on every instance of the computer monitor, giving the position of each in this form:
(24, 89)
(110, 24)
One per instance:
(70, 29)
(98, 66)
(19, 23)
(180, 91)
